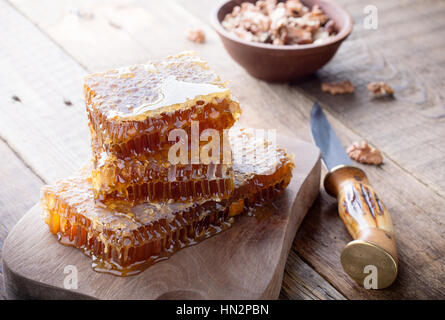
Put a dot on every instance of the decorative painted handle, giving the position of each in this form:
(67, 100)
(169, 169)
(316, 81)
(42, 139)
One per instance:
(368, 222)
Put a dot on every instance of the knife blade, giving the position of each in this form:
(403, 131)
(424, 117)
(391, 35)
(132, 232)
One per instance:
(332, 151)
(361, 210)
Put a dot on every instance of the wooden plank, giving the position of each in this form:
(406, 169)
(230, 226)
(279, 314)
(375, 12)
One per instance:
(18, 193)
(245, 262)
(2, 288)
(301, 282)
(313, 240)
(40, 100)
(409, 128)
(62, 17)
(355, 55)
(323, 235)
(134, 21)
(414, 209)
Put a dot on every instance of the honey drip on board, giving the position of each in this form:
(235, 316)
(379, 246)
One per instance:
(126, 241)
(128, 248)
(129, 209)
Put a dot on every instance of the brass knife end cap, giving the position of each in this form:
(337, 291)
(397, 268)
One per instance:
(359, 254)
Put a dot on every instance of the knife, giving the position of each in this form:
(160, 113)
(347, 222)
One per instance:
(373, 251)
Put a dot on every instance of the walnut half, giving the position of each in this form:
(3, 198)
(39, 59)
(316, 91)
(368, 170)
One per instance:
(380, 89)
(196, 35)
(364, 153)
(338, 88)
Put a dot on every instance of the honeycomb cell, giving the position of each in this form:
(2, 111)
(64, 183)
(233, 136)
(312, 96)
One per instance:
(127, 240)
(118, 182)
(258, 164)
(133, 109)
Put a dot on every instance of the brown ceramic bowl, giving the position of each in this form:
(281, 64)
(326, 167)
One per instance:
(283, 63)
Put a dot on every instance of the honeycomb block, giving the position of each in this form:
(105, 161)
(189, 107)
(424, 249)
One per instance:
(127, 240)
(118, 182)
(259, 165)
(133, 109)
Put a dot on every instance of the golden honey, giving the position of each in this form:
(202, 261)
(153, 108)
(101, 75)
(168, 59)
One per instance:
(142, 179)
(131, 110)
(261, 166)
(127, 240)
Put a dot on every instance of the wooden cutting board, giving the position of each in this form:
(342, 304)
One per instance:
(245, 262)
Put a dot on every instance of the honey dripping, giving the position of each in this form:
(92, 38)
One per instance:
(125, 241)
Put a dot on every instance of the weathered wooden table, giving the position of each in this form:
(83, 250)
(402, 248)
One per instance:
(47, 46)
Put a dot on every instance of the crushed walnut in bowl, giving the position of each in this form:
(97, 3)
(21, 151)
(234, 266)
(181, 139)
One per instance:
(281, 41)
(279, 23)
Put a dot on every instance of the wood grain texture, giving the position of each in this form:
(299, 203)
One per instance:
(413, 192)
(300, 282)
(414, 206)
(88, 38)
(2, 288)
(41, 102)
(414, 209)
(244, 262)
(18, 192)
(405, 51)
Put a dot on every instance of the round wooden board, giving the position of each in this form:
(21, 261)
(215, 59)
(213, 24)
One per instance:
(245, 262)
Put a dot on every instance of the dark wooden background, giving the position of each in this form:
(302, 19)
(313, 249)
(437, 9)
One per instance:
(48, 45)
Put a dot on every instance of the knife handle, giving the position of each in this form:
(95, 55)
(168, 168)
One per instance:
(369, 223)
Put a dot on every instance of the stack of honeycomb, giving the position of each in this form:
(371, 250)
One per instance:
(132, 205)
